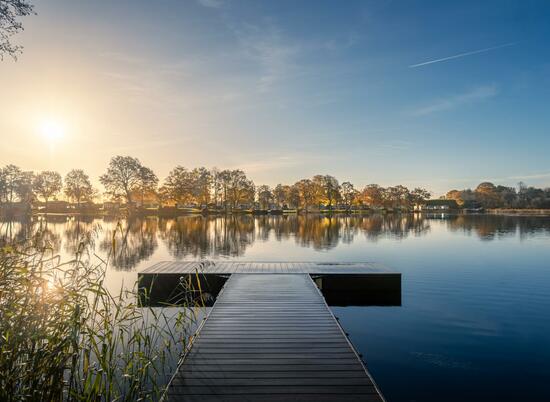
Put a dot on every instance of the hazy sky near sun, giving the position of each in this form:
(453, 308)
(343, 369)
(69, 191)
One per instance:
(439, 94)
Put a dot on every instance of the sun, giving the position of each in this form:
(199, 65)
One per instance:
(51, 129)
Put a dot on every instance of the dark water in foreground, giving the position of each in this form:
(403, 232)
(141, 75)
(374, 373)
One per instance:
(475, 317)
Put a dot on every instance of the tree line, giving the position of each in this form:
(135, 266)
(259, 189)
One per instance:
(26, 187)
(128, 181)
(489, 195)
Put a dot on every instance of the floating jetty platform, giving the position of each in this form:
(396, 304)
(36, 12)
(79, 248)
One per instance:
(270, 335)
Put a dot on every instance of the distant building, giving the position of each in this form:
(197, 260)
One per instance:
(436, 206)
(149, 205)
(55, 206)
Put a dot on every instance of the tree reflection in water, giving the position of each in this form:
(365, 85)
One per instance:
(76, 230)
(130, 242)
(198, 236)
(18, 230)
(490, 227)
(193, 237)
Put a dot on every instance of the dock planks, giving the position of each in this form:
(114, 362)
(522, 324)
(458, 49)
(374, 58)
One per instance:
(271, 337)
(239, 267)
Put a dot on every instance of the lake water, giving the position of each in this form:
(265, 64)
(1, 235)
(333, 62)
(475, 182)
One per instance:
(474, 323)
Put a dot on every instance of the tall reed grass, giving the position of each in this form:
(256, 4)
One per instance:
(65, 336)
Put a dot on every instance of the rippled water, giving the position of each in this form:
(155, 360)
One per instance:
(475, 317)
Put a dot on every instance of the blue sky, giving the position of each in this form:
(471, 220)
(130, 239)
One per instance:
(288, 89)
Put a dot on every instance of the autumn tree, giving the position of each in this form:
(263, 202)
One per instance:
(10, 13)
(293, 197)
(147, 183)
(418, 196)
(201, 182)
(24, 187)
(486, 187)
(224, 183)
(47, 184)
(123, 178)
(280, 195)
(399, 196)
(240, 189)
(328, 189)
(15, 184)
(78, 187)
(178, 185)
(349, 194)
(487, 194)
(265, 196)
(216, 186)
(455, 195)
(307, 193)
(286, 196)
(373, 195)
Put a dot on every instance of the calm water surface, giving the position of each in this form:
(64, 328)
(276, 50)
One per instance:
(475, 317)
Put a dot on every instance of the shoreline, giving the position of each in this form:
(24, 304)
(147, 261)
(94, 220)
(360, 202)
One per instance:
(518, 212)
(174, 214)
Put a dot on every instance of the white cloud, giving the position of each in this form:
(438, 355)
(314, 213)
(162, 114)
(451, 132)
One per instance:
(476, 94)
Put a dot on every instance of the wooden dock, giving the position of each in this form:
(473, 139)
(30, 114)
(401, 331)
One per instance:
(270, 336)
(246, 267)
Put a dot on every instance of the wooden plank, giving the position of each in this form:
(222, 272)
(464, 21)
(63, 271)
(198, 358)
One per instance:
(251, 341)
(269, 336)
(288, 381)
(258, 374)
(271, 367)
(274, 389)
(281, 398)
(278, 350)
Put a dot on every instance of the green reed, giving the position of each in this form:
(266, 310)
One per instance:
(65, 336)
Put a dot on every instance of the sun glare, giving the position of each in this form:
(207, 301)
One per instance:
(51, 129)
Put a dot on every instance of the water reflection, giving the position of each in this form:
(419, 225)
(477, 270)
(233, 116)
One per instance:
(490, 227)
(193, 237)
(19, 230)
(14, 230)
(129, 242)
(198, 236)
(75, 232)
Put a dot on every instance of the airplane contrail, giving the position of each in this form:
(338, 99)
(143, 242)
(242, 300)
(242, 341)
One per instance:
(456, 56)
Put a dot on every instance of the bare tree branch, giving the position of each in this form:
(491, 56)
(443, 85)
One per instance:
(10, 13)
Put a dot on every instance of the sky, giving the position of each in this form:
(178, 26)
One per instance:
(422, 93)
